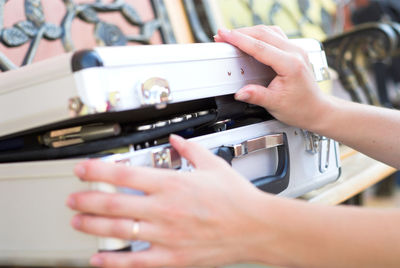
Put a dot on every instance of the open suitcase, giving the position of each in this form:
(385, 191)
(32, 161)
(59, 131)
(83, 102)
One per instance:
(121, 104)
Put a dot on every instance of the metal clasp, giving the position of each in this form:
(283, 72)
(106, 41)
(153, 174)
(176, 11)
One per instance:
(314, 145)
(166, 158)
(155, 91)
(256, 144)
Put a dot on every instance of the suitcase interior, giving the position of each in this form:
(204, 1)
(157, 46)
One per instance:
(140, 128)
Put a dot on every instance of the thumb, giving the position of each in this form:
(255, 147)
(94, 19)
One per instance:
(196, 154)
(255, 94)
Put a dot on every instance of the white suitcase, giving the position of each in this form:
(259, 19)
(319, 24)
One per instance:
(190, 86)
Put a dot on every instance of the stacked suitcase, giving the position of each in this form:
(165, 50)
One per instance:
(121, 104)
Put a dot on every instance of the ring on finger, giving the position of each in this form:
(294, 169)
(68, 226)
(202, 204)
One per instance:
(135, 229)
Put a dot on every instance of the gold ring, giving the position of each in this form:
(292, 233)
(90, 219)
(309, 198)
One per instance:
(135, 229)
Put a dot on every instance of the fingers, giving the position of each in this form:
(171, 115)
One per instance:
(156, 257)
(143, 179)
(196, 154)
(277, 30)
(268, 35)
(116, 205)
(255, 94)
(264, 52)
(113, 227)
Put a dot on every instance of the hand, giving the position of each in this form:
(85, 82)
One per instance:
(190, 218)
(293, 96)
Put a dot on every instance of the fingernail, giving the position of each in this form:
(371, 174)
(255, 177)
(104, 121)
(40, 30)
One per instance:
(76, 222)
(71, 202)
(223, 31)
(242, 95)
(177, 138)
(80, 170)
(96, 261)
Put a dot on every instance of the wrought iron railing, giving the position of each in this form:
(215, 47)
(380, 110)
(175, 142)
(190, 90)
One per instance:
(35, 28)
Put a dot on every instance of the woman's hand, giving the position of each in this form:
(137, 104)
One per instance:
(190, 218)
(293, 96)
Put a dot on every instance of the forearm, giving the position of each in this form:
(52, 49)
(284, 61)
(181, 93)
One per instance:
(298, 234)
(371, 130)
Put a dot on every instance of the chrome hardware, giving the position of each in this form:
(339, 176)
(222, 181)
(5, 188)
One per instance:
(201, 113)
(114, 98)
(173, 120)
(256, 144)
(155, 91)
(144, 127)
(166, 158)
(177, 119)
(75, 106)
(324, 165)
(314, 145)
(126, 162)
(325, 73)
(221, 125)
(312, 141)
(79, 134)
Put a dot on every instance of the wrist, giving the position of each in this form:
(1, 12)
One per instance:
(261, 231)
(323, 115)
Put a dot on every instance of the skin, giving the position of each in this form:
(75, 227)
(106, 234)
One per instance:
(212, 216)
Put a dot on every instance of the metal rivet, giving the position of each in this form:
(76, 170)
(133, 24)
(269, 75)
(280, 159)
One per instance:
(229, 73)
(241, 71)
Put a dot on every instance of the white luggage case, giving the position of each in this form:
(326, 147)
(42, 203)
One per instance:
(185, 82)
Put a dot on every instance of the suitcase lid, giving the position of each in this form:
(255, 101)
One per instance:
(110, 79)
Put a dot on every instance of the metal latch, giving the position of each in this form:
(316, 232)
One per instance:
(166, 157)
(155, 91)
(256, 144)
(314, 145)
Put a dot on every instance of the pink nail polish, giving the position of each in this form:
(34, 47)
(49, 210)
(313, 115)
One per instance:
(71, 202)
(176, 137)
(76, 222)
(80, 170)
(242, 96)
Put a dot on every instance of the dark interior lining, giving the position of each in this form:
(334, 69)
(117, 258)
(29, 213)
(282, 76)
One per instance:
(239, 114)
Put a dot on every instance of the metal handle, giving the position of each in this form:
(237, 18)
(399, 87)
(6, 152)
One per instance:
(275, 183)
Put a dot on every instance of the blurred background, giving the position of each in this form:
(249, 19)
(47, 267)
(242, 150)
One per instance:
(361, 39)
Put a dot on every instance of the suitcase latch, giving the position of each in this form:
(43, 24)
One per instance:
(314, 145)
(166, 158)
(155, 91)
(256, 144)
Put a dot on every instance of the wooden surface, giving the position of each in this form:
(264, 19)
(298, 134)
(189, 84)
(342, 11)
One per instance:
(358, 173)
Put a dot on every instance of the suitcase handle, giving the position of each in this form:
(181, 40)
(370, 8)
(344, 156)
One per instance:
(275, 183)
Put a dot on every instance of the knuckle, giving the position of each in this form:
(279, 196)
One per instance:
(303, 54)
(260, 30)
(259, 46)
(117, 229)
(276, 28)
(112, 204)
(298, 64)
(123, 175)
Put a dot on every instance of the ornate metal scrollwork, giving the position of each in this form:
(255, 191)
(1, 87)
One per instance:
(35, 27)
